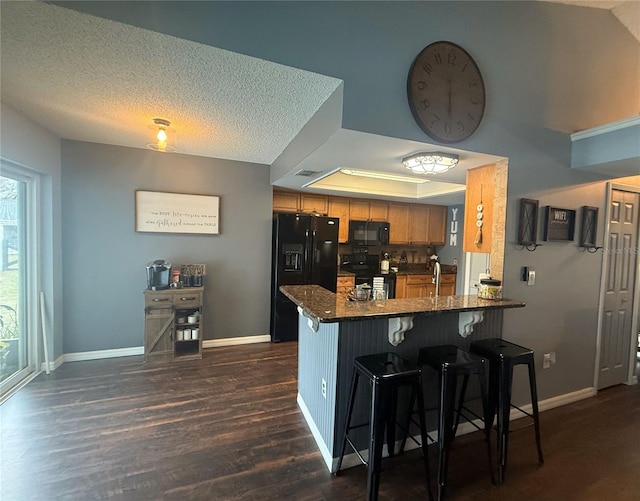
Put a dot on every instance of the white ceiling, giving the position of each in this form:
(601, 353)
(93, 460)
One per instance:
(79, 77)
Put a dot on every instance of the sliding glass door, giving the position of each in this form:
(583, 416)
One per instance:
(17, 338)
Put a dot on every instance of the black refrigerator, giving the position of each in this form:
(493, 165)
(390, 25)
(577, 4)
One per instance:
(305, 251)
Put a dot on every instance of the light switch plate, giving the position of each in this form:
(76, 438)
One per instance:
(531, 279)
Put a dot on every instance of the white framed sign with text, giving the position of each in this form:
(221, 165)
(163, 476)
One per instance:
(159, 212)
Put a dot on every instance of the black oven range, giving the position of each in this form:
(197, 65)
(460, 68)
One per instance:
(366, 267)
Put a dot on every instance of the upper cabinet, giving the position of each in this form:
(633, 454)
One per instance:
(437, 224)
(291, 201)
(368, 210)
(416, 224)
(379, 211)
(398, 223)
(318, 204)
(419, 224)
(339, 207)
(286, 201)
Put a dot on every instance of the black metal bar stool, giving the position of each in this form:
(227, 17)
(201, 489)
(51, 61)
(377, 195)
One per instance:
(503, 356)
(450, 362)
(386, 372)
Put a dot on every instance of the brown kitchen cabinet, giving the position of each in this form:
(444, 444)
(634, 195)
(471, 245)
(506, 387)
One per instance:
(415, 224)
(411, 286)
(447, 285)
(345, 285)
(398, 223)
(420, 286)
(437, 224)
(358, 209)
(419, 224)
(427, 224)
(285, 201)
(339, 207)
(166, 320)
(317, 204)
(401, 286)
(379, 211)
(368, 210)
(291, 201)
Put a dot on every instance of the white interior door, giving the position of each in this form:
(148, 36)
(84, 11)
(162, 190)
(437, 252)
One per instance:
(619, 285)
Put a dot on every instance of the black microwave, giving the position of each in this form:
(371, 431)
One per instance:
(368, 233)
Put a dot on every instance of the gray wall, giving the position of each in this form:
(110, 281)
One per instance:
(547, 70)
(29, 145)
(448, 252)
(104, 258)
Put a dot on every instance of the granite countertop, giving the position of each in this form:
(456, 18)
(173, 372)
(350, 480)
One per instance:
(325, 306)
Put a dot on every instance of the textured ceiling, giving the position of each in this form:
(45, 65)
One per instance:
(77, 76)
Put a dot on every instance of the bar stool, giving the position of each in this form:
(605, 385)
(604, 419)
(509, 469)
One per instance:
(503, 356)
(450, 362)
(386, 372)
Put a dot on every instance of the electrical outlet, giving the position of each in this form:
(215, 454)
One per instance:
(324, 387)
(548, 360)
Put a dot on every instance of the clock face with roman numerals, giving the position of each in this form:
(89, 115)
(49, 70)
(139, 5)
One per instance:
(446, 92)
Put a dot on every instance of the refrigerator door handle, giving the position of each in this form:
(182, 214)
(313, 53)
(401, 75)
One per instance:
(308, 255)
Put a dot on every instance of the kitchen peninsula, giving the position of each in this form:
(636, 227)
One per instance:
(333, 331)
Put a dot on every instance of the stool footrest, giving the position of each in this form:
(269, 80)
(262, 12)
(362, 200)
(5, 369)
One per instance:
(362, 459)
(470, 421)
(523, 411)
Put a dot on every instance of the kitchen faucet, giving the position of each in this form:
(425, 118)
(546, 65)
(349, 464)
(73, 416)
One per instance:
(436, 274)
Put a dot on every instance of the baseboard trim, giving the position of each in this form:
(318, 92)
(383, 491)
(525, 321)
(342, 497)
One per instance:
(52, 365)
(98, 354)
(324, 450)
(560, 400)
(80, 356)
(233, 341)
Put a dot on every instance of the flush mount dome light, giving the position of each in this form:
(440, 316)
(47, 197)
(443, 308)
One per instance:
(164, 137)
(430, 163)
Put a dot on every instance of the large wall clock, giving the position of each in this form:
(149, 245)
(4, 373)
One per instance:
(446, 92)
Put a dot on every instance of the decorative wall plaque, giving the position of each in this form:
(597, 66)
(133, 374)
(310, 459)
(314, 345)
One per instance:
(528, 222)
(177, 213)
(559, 224)
(589, 226)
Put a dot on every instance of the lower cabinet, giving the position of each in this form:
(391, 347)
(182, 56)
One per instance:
(173, 324)
(401, 286)
(420, 286)
(448, 285)
(412, 286)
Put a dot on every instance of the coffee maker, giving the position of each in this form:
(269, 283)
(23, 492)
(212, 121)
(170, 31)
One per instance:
(158, 275)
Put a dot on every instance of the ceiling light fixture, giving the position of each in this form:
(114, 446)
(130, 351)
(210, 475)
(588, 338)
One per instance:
(435, 162)
(384, 176)
(164, 137)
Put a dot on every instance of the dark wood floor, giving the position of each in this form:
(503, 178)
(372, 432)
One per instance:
(228, 427)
